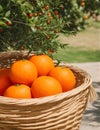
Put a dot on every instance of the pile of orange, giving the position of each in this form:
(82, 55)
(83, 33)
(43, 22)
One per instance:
(35, 77)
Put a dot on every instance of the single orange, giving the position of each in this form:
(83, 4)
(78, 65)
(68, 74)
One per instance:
(86, 17)
(43, 62)
(18, 91)
(4, 80)
(83, 3)
(45, 86)
(65, 76)
(23, 71)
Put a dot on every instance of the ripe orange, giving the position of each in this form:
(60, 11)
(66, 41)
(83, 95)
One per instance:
(18, 91)
(65, 76)
(23, 71)
(86, 17)
(9, 23)
(43, 63)
(4, 80)
(83, 3)
(29, 15)
(45, 86)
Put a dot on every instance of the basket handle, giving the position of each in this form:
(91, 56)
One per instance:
(92, 94)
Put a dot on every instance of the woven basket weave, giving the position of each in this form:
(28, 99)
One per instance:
(59, 112)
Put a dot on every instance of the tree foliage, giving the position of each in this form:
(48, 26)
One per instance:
(35, 25)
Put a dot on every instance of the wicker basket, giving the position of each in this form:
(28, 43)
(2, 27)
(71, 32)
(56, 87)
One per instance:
(59, 112)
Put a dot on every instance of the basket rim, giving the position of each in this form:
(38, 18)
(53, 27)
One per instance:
(57, 97)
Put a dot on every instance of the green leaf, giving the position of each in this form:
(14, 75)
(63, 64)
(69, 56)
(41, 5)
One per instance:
(6, 19)
(7, 13)
(1, 8)
(2, 23)
(28, 5)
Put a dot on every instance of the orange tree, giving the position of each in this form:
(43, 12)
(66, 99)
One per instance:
(35, 25)
(91, 8)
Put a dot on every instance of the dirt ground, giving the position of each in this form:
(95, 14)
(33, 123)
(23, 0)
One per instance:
(88, 39)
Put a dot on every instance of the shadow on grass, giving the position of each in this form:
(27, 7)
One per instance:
(92, 113)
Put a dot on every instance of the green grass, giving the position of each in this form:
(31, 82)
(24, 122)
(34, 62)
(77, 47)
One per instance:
(94, 24)
(72, 55)
(78, 54)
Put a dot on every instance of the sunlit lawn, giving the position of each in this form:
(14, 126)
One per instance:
(73, 54)
(79, 53)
